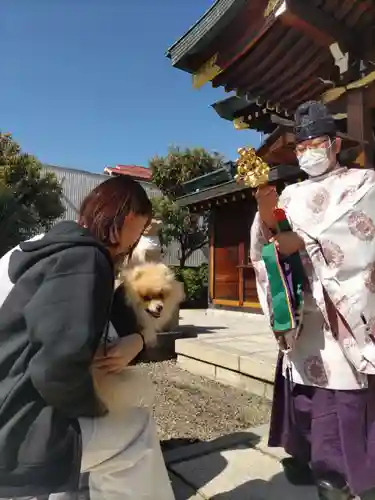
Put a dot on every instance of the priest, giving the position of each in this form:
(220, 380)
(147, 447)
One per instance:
(324, 401)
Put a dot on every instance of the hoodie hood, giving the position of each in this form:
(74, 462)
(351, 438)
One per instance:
(62, 236)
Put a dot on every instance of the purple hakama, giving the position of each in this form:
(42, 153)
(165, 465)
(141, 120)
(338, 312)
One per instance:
(332, 430)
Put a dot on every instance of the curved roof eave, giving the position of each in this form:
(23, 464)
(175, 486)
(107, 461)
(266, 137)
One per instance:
(203, 32)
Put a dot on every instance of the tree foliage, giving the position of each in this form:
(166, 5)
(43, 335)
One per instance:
(181, 165)
(30, 198)
(189, 230)
(179, 223)
(14, 221)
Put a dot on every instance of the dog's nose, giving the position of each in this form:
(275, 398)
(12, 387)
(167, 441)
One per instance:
(159, 308)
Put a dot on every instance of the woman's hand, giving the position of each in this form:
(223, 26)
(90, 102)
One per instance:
(267, 199)
(119, 355)
(288, 242)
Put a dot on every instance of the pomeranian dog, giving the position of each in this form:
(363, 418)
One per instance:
(153, 293)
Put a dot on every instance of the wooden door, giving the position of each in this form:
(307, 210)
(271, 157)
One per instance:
(227, 238)
(233, 277)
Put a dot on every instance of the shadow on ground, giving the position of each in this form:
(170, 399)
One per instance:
(193, 330)
(174, 443)
(179, 450)
(258, 489)
(165, 348)
(179, 454)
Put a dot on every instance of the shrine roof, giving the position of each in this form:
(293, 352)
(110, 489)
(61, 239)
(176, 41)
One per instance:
(204, 32)
(211, 193)
(278, 53)
(245, 114)
(232, 191)
(221, 175)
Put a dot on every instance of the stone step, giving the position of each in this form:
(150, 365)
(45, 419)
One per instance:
(244, 361)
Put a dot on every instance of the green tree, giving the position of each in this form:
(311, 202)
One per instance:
(30, 198)
(181, 165)
(180, 223)
(14, 220)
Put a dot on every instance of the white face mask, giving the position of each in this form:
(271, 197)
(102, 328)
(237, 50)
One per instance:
(315, 161)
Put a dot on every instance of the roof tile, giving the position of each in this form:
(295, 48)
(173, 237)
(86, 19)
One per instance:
(131, 170)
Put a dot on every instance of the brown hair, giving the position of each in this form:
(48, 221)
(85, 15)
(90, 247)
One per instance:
(103, 211)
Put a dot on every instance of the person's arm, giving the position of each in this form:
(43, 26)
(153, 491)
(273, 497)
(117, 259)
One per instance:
(259, 236)
(120, 354)
(65, 320)
(267, 200)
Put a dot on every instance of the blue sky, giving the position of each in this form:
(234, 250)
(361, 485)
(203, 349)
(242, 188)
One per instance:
(85, 83)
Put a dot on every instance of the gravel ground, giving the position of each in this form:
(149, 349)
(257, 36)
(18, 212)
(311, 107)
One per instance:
(191, 408)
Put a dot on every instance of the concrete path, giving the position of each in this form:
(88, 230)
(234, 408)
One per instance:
(232, 347)
(237, 349)
(237, 467)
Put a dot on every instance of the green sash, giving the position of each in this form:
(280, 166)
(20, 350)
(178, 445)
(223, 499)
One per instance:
(286, 278)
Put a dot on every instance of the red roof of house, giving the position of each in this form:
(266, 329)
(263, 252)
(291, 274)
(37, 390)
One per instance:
(132, 170)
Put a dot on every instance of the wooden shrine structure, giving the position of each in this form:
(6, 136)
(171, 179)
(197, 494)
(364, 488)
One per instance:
(231, 208)
(272, 55)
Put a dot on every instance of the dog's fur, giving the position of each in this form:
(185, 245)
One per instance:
(154, 294)
(120, 391)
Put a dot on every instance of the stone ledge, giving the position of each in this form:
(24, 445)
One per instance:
(258, 364)
(226, 376)
(208, 352)
(213, 312)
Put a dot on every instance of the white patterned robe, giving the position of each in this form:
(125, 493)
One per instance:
(334, 214)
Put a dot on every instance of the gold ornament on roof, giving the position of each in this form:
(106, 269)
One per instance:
(240, 123)
(334, 94)
(207, 72)
(251, 169)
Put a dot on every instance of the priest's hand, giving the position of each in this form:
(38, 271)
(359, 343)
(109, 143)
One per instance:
(267, 199)
(288, 242)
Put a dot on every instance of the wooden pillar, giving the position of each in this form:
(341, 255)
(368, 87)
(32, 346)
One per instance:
(241, 282)
(211, 257)
(359, 126)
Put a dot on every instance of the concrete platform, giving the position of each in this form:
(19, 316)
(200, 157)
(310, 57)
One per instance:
(233, 468)
(232, 347)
